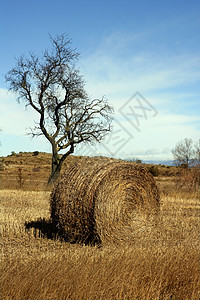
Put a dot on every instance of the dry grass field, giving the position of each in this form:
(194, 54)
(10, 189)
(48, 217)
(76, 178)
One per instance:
(163, 263)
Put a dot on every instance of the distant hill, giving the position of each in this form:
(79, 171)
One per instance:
(160, 162)
(156, 162)
(30, 170)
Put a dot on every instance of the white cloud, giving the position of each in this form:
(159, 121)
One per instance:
(157, 137)
(15, 118)
(113, 76)
(119, 68)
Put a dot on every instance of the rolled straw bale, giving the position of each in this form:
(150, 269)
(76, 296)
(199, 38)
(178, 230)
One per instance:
(103, 198)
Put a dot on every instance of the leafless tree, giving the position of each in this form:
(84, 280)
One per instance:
(183, 152)
(197, 152)
(53, 87)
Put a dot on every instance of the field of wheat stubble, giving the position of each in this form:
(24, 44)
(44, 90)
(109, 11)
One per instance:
(162, 262)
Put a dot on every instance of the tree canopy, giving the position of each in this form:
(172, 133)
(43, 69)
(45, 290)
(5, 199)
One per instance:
(52, 85)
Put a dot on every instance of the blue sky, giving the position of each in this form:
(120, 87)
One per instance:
(133, 52)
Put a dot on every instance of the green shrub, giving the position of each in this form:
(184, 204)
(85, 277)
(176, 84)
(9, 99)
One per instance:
(13, 153)
(154, 170)
(35, 153)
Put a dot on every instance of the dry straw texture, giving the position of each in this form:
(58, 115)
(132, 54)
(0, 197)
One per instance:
(103, 199)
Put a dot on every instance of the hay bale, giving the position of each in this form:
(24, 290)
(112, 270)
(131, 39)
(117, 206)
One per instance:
(102, 198)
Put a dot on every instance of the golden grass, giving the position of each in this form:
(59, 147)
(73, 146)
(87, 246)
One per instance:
(163, 264)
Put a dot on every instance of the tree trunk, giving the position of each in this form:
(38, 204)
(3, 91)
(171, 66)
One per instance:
(55, 169)
(57, 163)
(54, 175)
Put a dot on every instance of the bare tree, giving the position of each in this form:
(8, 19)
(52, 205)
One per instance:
(183, 152)
(53, 87)
(197, 152)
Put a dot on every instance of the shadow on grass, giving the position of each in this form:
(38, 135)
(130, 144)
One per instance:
(43, 228)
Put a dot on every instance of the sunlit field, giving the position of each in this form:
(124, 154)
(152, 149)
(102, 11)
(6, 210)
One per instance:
(37, 265)
(162, 262)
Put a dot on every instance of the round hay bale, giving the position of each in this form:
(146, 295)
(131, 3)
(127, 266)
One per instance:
(103, 199)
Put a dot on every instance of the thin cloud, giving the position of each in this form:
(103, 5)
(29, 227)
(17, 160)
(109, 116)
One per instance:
(15, 118)
(139, 72)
